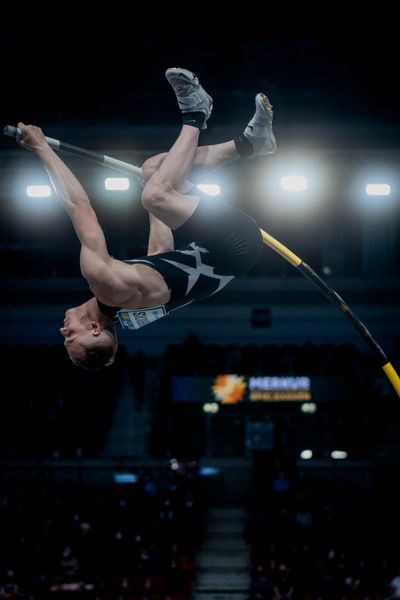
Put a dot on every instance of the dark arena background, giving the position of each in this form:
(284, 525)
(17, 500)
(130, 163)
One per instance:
(246, 447)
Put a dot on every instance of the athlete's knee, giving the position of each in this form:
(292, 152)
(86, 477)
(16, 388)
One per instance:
(156, 192)
(150, 166)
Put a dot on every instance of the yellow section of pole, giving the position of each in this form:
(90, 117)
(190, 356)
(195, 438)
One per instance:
(296, 262)
(392, 376)
(280, 249)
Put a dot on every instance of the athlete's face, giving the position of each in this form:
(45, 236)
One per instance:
(88, 343)
(72, 327)
(76, 334)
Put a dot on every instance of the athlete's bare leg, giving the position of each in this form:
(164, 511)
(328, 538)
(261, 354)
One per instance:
(207, 160)
(257, 139)
(160, 195)
(160, 237)
(167, 175)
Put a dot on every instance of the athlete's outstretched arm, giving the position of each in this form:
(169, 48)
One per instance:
(71, 195)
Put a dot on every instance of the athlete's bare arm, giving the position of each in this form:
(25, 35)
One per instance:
(94, 253)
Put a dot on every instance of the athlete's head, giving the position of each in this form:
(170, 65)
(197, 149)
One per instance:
(90, 343)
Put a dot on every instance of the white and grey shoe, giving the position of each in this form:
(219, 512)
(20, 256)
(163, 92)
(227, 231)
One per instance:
(191, 96)
(259, 130)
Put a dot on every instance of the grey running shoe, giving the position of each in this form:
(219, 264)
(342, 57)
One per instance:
(259, 130)
(189, 93)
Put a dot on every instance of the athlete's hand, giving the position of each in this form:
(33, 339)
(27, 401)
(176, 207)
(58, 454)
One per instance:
(32, 137)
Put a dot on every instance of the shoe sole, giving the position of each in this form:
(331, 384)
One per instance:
(266, 105)
(177, 75)
(182, 75)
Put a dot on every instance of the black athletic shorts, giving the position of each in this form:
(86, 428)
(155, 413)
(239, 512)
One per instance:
(232, 236)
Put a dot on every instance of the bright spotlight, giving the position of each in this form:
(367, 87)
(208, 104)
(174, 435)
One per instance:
(212, 189)
(211, 408)
(306, 454)
(339, 454)
(38, 191)
(116, 183)
(293, 186)
(374, 192)
(294, 183)
(377, 189)
(308, 408)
